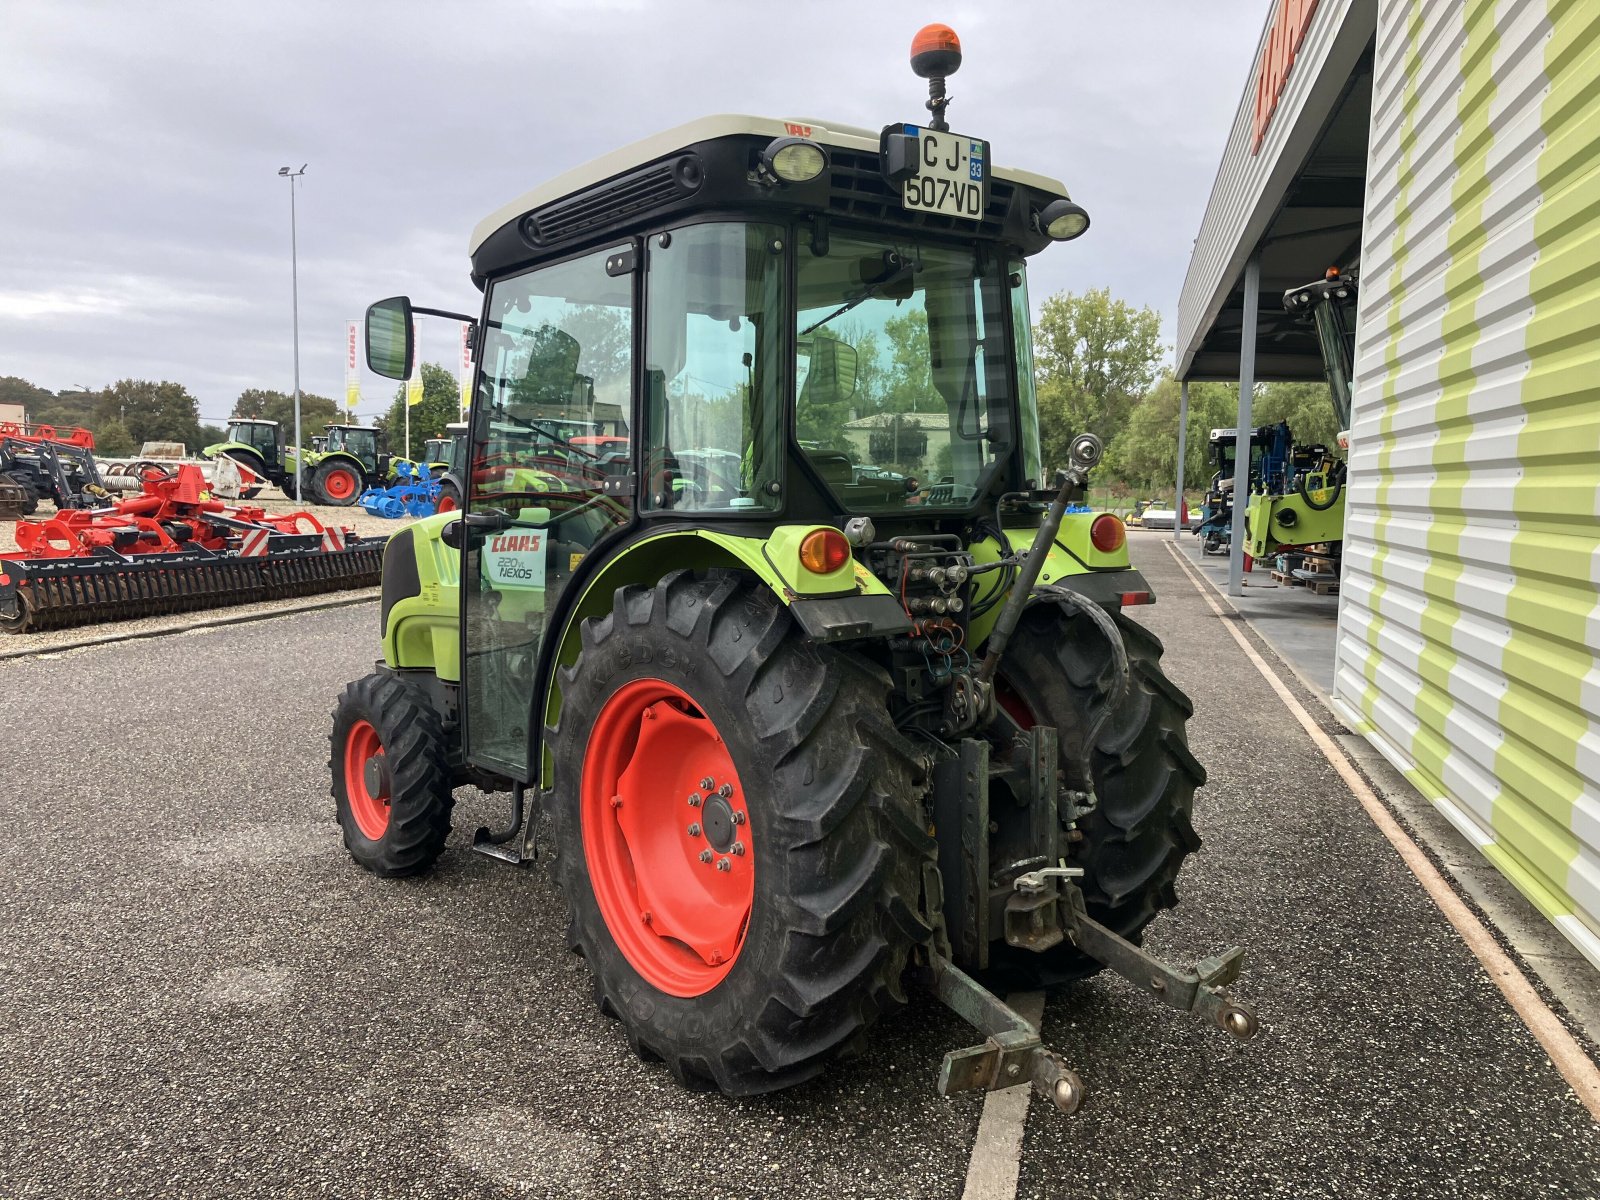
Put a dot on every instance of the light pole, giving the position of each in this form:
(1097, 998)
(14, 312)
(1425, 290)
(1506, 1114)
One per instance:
(294, 274)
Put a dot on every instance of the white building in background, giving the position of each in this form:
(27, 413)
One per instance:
(1449, 152)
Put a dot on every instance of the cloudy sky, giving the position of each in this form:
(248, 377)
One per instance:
(144, 231)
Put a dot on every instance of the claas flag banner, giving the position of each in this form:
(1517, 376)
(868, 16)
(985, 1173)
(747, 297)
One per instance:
(352, 364)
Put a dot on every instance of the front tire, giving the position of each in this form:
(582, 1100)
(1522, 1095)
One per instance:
(1134, 841)
(391, 776)
(752, 938)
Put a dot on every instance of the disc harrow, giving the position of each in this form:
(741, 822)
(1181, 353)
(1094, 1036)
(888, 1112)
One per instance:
(172, 549)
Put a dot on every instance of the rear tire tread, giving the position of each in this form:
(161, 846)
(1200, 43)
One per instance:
(847, 805)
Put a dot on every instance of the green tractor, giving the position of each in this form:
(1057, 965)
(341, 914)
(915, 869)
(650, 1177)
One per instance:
(351, 461)
(435, 461)
(343, 461)
(256, 445)
(1304, 505)
(805, 732)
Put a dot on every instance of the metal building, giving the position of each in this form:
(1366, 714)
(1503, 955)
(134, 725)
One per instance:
(1452, 148)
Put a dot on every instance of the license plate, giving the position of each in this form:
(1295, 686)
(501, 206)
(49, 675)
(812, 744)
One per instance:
(952, 175)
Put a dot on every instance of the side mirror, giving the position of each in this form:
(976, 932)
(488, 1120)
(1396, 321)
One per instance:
(389, 338)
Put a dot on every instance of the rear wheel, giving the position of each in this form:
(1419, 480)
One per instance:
(391, 777)
(742, 834)
(337, 484)
(1056, 670)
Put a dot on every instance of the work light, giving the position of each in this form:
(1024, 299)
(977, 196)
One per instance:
(793, 160)
(1062, 220)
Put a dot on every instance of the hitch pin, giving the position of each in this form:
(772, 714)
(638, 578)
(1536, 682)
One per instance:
(1033, 882)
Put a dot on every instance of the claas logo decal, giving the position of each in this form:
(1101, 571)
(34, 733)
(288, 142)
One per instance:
(515, 559)
(515, 541)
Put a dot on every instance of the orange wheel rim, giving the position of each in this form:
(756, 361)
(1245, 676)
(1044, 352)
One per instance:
(667, 837)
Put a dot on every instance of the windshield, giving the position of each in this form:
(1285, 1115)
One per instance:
(356, 441)
(903, 390)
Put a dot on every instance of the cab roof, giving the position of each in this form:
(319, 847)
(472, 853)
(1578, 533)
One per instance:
(706, 129)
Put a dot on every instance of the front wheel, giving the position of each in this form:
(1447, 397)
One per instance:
(741, 832)
(391, 776)
(449, 496)
(1056, 670)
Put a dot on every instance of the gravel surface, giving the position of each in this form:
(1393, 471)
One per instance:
(201, 995)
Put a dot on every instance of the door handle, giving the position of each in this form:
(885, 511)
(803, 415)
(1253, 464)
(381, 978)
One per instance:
(484, 520)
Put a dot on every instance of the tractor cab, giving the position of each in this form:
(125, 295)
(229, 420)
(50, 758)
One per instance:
(436, 454)
(763, 591)
(260, 436)
(358, 441)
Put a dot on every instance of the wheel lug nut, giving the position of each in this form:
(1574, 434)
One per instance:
(645, 917)
(725, 790)
(705, 856)
(616, 802)
(707, 784)
(694, 829)
(694, 799)
(738, 818)
(724, 865)
(737, 847)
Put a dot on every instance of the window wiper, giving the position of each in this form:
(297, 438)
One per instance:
(871, 291)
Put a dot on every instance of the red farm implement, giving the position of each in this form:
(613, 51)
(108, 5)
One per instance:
(172, 548)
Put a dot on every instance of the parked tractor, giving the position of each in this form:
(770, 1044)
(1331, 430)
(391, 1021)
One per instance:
(807, 729)
(344, 460)
(257, 447)
(46, 463)
(1304, 506)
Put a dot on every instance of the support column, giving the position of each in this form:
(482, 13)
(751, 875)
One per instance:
(1241, 443)
(1183, 445)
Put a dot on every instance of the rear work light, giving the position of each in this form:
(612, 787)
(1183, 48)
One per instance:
(824, 551)
(1108, 533)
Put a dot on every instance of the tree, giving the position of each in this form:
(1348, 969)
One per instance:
(1095, 359)
(210, 435)
(1306, 406)
(1145, 454)
(113, 440)
(151, 412)
(315, 411)
(34, 400)
(440, 405)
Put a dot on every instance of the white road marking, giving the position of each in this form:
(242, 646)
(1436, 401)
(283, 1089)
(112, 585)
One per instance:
(1576, 1067)
(997, 1150)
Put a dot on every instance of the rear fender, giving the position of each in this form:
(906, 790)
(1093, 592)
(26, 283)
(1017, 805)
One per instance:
(1072, 559)
(773, 560)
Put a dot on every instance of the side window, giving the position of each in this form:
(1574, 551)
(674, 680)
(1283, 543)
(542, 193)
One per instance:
(713, 368)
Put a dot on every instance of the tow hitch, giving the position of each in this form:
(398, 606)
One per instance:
(1048, 906)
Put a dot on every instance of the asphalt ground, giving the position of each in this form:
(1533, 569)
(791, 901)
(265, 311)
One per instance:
(201, 996)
